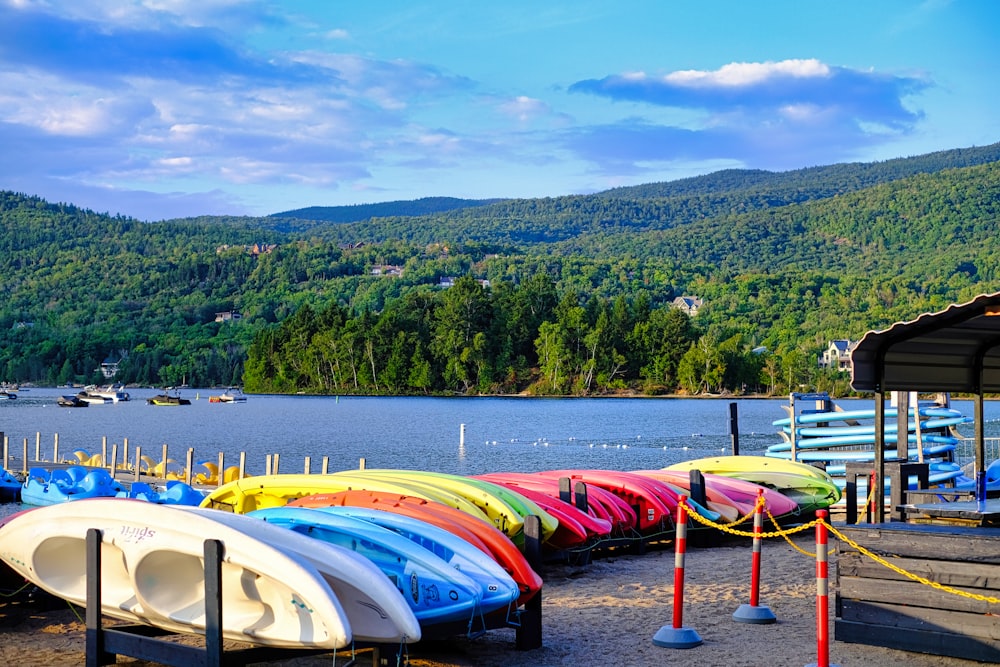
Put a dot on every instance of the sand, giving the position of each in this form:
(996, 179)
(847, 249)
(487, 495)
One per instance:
(602, 613)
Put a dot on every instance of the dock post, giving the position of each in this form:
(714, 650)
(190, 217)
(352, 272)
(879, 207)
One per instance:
(267, 464)
(461, 435)
(104, 450)
(125, 452)
(361, 463)
(243, 465)
(24, 457)
(734, 428)
(38, 445)
(163, 462)
(114, 460)
(220, 471)
(6, 458)
(55, 449)
(326, 464)
(138, 462)
(277, 458)
(189, 467)
(308, 465)
(528, 635)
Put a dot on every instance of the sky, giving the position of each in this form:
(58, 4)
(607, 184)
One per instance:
(159, 109)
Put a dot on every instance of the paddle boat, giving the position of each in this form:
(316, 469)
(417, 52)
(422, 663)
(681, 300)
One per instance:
(174, 493)
(44, 487)
(10, 487)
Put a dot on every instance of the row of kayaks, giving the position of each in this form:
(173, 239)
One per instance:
(301, 550)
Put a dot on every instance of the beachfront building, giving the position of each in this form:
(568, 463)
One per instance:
(837, 355)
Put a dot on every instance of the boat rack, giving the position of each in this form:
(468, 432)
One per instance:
(104, 644)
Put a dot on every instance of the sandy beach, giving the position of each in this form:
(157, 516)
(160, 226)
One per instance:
(602, 613)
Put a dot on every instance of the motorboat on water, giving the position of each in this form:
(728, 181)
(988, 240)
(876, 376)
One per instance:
(170, 396)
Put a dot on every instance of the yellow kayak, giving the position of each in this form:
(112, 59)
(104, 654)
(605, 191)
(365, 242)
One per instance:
(504, 507)
(253, 493)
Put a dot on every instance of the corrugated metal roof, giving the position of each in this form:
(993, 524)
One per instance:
(954, 350)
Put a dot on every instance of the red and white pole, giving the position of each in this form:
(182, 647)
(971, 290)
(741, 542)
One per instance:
(677, 636)
(822, 594)
(753, 612)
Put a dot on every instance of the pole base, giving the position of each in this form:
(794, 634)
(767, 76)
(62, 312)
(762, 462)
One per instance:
(816, 664)
(671, 637)
(760, 615)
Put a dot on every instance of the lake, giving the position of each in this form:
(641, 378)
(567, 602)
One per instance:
(500, 434)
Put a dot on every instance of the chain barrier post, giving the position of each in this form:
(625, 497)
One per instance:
(677, 636)
(755, 612)
(822, 594)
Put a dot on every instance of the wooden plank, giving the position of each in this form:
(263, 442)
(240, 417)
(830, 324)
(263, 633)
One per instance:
(936, 643)
(909, 618)
(911, 593)
(974, 545)
(983, 576)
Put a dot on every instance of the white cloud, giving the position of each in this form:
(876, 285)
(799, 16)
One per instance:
(748, 74)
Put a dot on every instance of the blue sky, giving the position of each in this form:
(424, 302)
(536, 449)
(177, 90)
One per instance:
(170, 108)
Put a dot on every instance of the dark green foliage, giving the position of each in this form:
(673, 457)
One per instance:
(579, 287)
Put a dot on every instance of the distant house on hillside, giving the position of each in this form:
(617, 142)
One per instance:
(837, 355)
(387, 270)
(228, 316)
(449, 281)
(689, 304)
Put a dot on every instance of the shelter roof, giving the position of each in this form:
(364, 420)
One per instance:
(954, 350)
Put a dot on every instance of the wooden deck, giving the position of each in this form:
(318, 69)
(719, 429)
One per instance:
(878, 606)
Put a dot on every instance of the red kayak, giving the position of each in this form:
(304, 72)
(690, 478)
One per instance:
(656, 503)
(602, 504)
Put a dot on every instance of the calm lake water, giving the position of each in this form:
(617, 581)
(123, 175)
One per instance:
(500, 434)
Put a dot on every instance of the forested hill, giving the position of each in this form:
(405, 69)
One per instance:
(811, 182)
(785, 262)
(423, 206)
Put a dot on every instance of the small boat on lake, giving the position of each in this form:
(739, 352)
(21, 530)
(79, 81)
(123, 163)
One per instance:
(230, 395)
(71, 401)
(110, 392)
(169, 396)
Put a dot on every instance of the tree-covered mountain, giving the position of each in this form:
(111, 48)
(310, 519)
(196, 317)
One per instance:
(579, 287)
(357, 212)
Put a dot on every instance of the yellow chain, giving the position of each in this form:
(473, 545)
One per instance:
(793, 545)
(742, 533)
(909, 575)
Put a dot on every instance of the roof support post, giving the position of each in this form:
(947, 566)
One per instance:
(879, 482)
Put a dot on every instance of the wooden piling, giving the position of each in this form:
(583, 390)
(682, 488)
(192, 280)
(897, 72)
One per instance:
(189, 467)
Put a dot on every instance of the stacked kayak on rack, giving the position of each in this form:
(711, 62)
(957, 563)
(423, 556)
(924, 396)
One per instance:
(833, 438)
